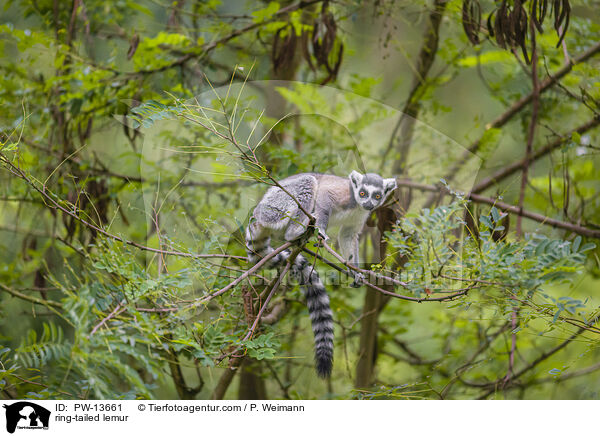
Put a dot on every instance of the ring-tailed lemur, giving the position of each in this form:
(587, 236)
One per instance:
(332, 200)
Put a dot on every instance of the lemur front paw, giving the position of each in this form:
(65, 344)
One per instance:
(322, 236)
(359, 279)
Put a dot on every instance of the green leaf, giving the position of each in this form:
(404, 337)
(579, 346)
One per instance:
(143, 9)
(265, 14)
(487, 222)
(576, 243)
(486, 58)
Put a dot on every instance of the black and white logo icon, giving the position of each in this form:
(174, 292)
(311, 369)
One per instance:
(26, 415)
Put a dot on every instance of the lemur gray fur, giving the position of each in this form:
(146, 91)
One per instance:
(332, 200)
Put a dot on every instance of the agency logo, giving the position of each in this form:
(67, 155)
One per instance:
(26, 415)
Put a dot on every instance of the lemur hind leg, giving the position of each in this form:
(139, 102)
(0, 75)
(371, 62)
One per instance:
(258, 245)
(348, 241)
(258, 241)
(297, 226)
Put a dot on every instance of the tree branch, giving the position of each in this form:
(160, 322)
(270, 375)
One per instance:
(226, 378)
(35, 300)
(274, 286)
(214, 44)
(411, 108)
(580, 230)
(535, 106)
(257, 266)
(533, 364)
(516, 108)
(368, 273)
(55, 205)
(516, 166)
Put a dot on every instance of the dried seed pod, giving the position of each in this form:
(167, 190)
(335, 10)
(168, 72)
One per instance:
(490, 23)
(538, 13)
(320, 46)
(500, 24)
(519, 23)
(133, 45)
(562, 14)
(509, 23)
(324, 35)
(471, 19)
(284, 47)
(305, 50)
(324, 42)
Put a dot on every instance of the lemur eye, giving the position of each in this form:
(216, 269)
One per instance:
(362, 193)
(377, 196)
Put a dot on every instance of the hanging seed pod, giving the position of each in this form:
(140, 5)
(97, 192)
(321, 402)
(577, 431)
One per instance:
(538, 13)
(284, 48)
(490, 23)
(519, 24)
(324, 34)
(323, 42)
(248, 301)
(133, 45)
(471, 19)
(562, 14)
(305, 49)
(333, 71)
(501, 24)
(509, 23)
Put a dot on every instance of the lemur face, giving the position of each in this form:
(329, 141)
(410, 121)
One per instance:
(370, 190)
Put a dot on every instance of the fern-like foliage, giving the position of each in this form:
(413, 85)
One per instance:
(36, 351)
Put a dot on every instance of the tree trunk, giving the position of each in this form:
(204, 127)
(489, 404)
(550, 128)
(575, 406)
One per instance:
(368, 339)
(252, 386)
(401, 140)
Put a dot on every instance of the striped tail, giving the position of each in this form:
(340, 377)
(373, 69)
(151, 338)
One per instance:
(320, 313)
(258, 245)
(317, 300)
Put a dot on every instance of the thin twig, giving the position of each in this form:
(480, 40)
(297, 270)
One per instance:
(514, 109)
(244, 275)
(114, 313)
(532, 365)
(516, 166)
(368, 273)
(31, 382)
(580, 230)
(55, 205)
(221, 41)
(274, 287)
(535, 106)
(35, 300)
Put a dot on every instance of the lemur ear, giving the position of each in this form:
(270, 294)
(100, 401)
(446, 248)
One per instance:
(355, 178)
(389, 185)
